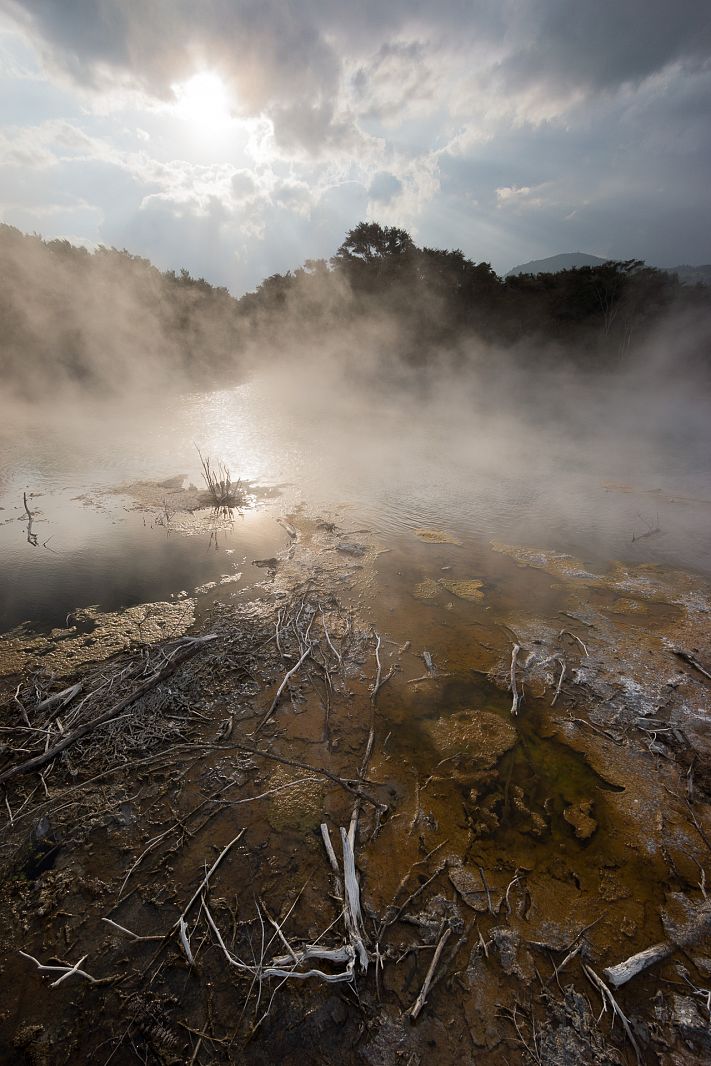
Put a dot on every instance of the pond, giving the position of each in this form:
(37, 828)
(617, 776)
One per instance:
(601, 491)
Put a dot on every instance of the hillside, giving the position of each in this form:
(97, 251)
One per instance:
(555, 263)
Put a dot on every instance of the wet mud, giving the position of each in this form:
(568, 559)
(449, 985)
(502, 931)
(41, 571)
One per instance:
(504, 861)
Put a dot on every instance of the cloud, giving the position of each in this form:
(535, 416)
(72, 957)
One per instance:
(518, 196)
(511, 128)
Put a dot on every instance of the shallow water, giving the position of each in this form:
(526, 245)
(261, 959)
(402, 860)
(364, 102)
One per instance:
(506, 817)
(391, 468)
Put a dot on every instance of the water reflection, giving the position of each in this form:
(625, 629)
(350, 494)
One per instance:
(392, 468)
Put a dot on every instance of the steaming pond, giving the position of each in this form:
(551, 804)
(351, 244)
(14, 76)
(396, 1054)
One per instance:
(447, 528)
(391, 468)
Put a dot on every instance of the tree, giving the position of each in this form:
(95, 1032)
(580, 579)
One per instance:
(371, 253)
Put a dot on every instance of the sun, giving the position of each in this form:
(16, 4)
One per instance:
(204, 102)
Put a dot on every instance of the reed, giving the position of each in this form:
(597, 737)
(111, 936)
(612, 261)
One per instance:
(222, 490)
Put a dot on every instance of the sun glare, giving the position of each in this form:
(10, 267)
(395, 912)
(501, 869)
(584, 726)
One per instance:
(204, 102)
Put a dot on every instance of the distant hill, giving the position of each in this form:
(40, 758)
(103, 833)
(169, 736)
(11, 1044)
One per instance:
(556, 263)
(688, 275)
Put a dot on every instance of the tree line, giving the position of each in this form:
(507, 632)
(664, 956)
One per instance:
(106, 319)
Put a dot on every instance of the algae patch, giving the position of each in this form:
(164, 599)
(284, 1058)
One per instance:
(438, 536)
(427, 589)
(296, 805)
(93, 636)
(482, 736)
(464, 590)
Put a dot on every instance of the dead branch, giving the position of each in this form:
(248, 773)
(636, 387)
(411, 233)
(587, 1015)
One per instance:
(285, 682)
(353, 916)
(206, 880)
(62, 698)
(414, 1011)
(567, 633)
(514, 690)
(185, 652)
(66, 971)
(31, 537)
(607, 997)
(560, 683)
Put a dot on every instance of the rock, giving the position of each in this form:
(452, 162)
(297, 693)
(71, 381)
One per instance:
(578, 815)
(470, 887)
(515, 959)
(573, 1037)
(688, 1018)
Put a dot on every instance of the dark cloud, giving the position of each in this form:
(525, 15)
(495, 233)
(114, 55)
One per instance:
(289, 59)
(606, 43)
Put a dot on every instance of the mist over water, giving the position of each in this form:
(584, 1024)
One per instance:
(577, 463)
(395, 390)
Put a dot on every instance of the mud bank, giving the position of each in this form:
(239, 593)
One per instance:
(491, 867)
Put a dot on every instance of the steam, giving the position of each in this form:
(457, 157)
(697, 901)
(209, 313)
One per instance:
(530, 442)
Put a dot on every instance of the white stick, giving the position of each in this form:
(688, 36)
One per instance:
(66, 971)
(353, 916)
(183, 934)
(560, 682)
(514, 690)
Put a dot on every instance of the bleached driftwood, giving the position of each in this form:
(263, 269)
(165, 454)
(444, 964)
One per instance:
(64, 697)
(514, 690)
(352, 913)
(315, 951)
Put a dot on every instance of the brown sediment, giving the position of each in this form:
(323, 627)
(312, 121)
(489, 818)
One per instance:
(573, 826)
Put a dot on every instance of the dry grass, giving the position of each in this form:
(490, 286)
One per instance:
(222, 490)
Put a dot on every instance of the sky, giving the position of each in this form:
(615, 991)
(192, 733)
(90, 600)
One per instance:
(238, 138)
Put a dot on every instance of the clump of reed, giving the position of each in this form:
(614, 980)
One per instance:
(223, 492)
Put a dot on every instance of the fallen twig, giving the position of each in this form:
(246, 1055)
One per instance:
(66, 971)
(607, 997)
(566, 632)
(414, 1011)
(285, 682)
